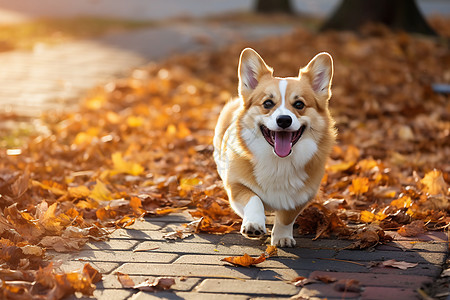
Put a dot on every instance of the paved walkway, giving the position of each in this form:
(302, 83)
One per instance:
(196, 263)
(55, 77)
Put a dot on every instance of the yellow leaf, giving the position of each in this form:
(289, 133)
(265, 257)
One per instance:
(122, 166)
(367, 216)
(434, 183)
(187, 185)
(340, 166)
(53, 187)
(359, 185)
(380, 216)
(89, 204)
(79, 191)
(100, 192)
(367, 164)
(402, 202)
(134, 121)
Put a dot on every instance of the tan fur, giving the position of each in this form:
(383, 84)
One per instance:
(245, 166)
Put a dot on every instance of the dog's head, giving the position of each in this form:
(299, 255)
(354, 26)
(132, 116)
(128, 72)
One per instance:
(285, 110)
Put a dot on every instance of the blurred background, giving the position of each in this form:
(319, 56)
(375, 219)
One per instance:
(143, 10)
(53, 51)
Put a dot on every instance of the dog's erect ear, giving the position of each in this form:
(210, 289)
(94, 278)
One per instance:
(320, 73)
(251, 69)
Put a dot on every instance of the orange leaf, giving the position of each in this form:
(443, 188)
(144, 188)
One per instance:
(136, 205)
(79, 192)
(51, 186)
(245, 260)
(402, 202)
(367, 216)
(94, 275)
(367, 164)
(359, 186)
(340, 166)
(271, 251)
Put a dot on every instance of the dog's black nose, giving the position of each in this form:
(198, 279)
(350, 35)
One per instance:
(284, 121)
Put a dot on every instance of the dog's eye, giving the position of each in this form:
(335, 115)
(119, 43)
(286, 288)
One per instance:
(298, 104)
(268, 104)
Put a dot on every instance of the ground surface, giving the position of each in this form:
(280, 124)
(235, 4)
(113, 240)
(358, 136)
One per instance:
(195, 262)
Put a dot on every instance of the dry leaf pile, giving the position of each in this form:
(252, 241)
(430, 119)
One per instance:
(142, 146)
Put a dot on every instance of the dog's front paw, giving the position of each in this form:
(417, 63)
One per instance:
(253, 230)
(283, 242)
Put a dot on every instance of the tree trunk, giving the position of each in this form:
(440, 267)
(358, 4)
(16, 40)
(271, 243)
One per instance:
(396, 14)
(274, 6)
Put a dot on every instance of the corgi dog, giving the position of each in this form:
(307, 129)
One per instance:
(271, 143)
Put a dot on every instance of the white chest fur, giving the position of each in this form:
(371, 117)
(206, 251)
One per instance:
(281, 181)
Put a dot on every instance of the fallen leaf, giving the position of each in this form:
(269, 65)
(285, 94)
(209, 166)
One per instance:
(152, 285)
(359, 185)
(93, 274)
(245, 260)
(53, 187)
(302, 281)
(368, 237)
(79, 192)
(183, 231)
(178, 234)
(403, 265)
(32, 250)
(412, 229)
(100, 192)
(434, 183)
(271, 251)
(127, 167)
(125, 280)
(61, 244)
(317, 219)
(325, 279)
(20, 186)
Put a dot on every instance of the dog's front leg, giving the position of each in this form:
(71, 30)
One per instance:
(282, 232)
(251, 209)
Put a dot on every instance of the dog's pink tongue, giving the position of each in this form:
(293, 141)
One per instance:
(282, 143)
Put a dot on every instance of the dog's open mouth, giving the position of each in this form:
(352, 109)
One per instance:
(282, 141)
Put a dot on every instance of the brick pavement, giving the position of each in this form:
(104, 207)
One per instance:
(195, 262)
